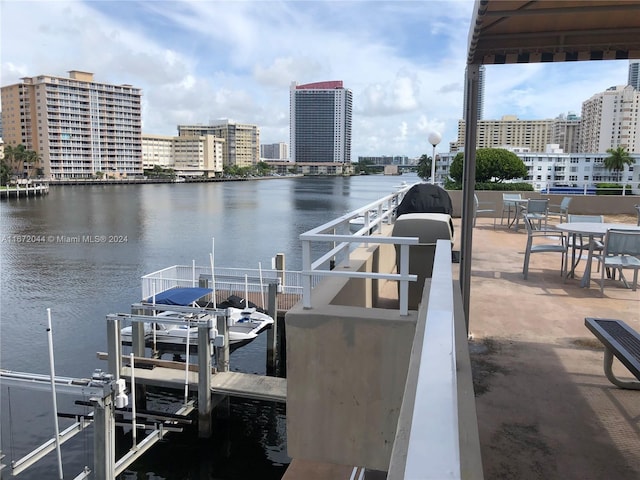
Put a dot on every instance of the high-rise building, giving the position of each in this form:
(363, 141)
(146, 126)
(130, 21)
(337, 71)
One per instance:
(320, 116)
(609, 120)
(80, 128)
(241, 146)
(634, 74)
(481, 72)
(274, 151)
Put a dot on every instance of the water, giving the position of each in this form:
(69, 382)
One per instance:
(151, 227)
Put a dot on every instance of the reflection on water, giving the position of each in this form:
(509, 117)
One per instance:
(152, 227)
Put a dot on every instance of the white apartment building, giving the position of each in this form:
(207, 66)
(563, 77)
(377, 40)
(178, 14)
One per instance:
(192, 155)
(561, 169)
(79, 127)
(241, 141)
(610, 120)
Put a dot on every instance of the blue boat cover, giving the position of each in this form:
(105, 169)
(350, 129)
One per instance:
(180, 296)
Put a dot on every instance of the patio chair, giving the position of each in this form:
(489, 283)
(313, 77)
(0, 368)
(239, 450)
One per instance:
(548, 241)
(536, 210)
(561, 210)
(508, 204)
(482, 207)
(580, 244)
(621, 251)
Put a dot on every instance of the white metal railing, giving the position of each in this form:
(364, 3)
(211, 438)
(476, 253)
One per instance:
(229, 280)
(433, 450)
(343, 243)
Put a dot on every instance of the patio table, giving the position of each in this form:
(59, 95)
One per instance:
(520, 206)
(591, 230)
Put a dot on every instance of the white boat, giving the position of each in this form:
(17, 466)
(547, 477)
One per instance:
(244, 324)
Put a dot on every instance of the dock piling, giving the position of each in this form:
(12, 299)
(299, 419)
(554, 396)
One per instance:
(272, 333)
(204, 380)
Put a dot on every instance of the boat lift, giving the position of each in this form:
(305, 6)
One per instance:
(107, 394)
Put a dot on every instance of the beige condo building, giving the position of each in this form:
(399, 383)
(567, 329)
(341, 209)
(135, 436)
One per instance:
(510, 131)
(192, 155)
(80, 128)
(241, 141)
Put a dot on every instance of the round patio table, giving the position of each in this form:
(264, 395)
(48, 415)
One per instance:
(591, 230)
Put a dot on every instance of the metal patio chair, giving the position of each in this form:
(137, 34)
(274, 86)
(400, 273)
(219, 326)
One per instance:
(483, 207)
(537, 211)
(561, 211)
(621, 251)
(544, 240)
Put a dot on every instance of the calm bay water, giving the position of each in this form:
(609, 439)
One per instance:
(153, 226)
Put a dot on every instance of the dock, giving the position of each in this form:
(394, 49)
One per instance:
(171, 375)
(24, 190)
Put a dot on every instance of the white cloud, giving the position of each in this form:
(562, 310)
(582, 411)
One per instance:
(200, 60)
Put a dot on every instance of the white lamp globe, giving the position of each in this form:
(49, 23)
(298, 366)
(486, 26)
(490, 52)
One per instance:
(435, 138)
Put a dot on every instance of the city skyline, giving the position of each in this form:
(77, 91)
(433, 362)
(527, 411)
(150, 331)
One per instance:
(197, 62)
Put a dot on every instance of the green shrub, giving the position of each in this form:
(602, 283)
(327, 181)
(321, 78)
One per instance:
(611, 189)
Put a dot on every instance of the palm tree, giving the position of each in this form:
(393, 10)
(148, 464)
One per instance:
(424, 166)
(617, 159)
(15, 157)
(32, 159)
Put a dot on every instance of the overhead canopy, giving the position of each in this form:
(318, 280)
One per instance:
(519, 31)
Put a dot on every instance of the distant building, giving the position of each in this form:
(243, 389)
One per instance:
(533, 135)
(509, 130)
(634, 74)
(320, 122)
(565, 131)
(480, 116)
(241, 141)
(79, 127)
(401, 160)
(188, 155)
(610, 120)
(274, 151)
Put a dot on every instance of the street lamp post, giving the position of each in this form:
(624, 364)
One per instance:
(434, 139)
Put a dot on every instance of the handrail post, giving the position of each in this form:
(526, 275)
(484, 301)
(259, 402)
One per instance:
(404, 284)
(306, 275)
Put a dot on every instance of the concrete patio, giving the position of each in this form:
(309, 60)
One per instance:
(545, 408)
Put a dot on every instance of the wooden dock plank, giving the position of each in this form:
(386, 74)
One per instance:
(162, 377)
(235, 384)
(247, 385)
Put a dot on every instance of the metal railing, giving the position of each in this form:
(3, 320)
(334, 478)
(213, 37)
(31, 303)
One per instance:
(375, 214)
(229, 281)
(433, 450)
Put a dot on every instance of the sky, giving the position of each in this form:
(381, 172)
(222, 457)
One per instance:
(198, 61)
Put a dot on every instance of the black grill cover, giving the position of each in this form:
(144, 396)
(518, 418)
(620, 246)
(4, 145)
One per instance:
(425, 198)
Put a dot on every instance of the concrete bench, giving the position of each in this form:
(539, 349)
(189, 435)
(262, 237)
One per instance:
(621, 341)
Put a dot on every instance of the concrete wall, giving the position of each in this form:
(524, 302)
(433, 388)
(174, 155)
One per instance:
(581, 204)
(346, 371)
